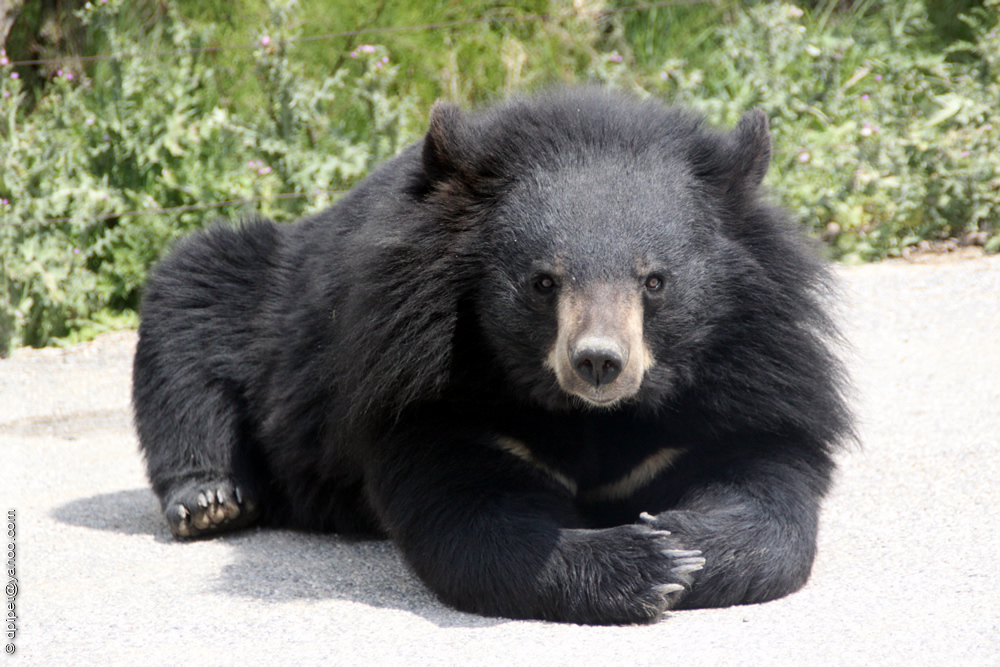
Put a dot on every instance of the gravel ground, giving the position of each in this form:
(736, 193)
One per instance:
(907, 574)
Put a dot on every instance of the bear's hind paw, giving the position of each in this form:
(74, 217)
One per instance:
(205, 508)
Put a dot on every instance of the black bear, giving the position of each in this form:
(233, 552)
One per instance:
(559, 351)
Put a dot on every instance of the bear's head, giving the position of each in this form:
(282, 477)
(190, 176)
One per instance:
(610, 236)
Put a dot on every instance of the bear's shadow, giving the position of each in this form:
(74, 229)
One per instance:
(283, 565)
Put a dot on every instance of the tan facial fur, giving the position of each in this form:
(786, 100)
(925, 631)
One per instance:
(607, 316)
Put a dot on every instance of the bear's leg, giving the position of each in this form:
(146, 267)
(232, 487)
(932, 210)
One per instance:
(189, 430)
(491, 534)
(756, 525)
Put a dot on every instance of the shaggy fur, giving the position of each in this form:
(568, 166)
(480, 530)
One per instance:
(438, 359)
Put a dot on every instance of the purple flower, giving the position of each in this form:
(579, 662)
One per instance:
(615, 57)
(69, 76)
(265, 40)
(367, 48)
(385, 60)
(865, 97)
(3, 202)
(878, 77)
(3, 60)
(76, 251)
(868, 129)
(6, 94)
(15, 75)
(354, 54)
(965, 153)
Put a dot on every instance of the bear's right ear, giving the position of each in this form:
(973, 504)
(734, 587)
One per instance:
(442, 156)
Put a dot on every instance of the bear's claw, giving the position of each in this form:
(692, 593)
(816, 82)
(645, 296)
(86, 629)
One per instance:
(202, 509)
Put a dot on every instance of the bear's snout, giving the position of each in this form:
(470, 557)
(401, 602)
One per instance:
(600, 355)
(599, 360)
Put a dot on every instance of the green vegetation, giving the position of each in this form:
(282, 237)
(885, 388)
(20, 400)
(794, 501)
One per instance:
(883, 118)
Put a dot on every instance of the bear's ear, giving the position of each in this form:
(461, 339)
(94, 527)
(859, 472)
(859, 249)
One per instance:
(442, 154)
(751, 142)
(737, 161)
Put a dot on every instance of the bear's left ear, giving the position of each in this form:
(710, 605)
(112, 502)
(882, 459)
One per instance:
(751, 141)
(736, 161)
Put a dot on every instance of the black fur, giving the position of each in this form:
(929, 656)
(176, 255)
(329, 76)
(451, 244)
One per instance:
(382, 367)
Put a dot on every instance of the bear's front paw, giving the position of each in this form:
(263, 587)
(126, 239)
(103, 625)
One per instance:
(683, 562)
(675, 568)
(645, 572)
(204, 508)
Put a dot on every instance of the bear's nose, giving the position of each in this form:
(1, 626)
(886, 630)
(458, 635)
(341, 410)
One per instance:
(598, 362)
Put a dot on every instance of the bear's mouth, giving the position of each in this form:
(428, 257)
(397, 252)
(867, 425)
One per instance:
(605, 402)
(604, 397)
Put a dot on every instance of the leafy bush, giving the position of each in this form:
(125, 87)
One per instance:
(879, 143)
(154, 137)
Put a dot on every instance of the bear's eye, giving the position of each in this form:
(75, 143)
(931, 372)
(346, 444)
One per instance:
(654, 283)
(545, 284)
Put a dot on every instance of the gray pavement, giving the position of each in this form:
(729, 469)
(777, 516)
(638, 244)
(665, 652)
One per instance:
(908, 571)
